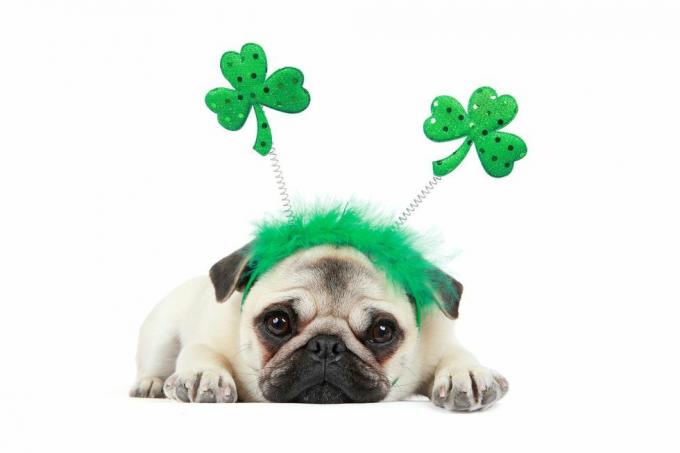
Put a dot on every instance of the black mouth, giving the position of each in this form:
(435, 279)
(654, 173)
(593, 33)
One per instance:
(322, 393)
(324, 371)
(347, 383)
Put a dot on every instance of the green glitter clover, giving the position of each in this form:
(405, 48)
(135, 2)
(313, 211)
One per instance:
(247, 71)
(487, 113)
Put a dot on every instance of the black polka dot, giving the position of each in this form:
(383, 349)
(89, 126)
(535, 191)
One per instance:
(263, 144)
(510, 148)
(449, 109)
(469, 142)
(253, 75)
(439, 162)
(497, 139)
(507, 165)
(500, 122)
(460, 117)
(256, 56)
(445, 128)
(485, 132)
(482, 150)
(266, 89)
(264, 126)
(240, 97)
(494, 158)
(239, 78)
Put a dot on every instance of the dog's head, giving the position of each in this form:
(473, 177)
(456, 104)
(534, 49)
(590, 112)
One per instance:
(324, 325)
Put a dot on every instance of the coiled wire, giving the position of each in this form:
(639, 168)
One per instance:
(281, 184)
(417, 201)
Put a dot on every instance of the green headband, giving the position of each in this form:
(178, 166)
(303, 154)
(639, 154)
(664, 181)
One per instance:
(387, 244)
(393, 250)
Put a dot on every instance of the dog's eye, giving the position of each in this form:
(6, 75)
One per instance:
(278, 323)
(381, 332)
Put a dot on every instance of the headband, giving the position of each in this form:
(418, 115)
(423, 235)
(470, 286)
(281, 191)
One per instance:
(391, 247)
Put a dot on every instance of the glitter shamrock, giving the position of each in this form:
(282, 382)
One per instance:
(247, 73)
(487, 113)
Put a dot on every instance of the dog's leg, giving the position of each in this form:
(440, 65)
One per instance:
(202, 376)
(461, 384)
(157, 350)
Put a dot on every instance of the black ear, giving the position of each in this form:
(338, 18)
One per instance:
(449, 291)
(231, 273)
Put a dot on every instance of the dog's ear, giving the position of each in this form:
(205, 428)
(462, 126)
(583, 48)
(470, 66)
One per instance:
(449, 291)
(231, 273)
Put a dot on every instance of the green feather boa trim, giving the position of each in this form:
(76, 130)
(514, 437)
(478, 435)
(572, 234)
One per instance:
(393, 250)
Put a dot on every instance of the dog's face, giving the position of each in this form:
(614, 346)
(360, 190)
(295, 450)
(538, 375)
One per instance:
(323, 326)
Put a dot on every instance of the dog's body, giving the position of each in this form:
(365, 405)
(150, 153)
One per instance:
(323, 326)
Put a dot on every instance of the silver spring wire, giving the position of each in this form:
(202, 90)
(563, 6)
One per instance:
(418, 200)
(281, 184)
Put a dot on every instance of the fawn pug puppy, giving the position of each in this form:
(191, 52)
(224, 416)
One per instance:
(323, 326)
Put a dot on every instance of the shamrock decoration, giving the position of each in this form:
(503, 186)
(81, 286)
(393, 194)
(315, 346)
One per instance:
(247, 71)
(486, 114)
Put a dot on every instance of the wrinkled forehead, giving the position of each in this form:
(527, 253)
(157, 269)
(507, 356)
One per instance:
(339, 276)
(326, 281)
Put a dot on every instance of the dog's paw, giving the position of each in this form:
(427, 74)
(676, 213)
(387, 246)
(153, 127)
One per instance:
(207, 386)
(148, 387)
(469, 389)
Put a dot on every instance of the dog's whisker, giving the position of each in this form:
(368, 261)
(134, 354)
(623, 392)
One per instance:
(241, 351)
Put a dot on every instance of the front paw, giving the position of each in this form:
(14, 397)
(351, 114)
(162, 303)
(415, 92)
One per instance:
(206, 386)
(147, 387)
(468, 389)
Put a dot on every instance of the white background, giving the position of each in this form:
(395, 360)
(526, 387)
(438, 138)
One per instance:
(117, 184)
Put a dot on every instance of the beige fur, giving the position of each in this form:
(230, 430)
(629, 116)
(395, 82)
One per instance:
(192, 344)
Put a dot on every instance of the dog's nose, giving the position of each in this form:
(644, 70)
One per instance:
(326, 347)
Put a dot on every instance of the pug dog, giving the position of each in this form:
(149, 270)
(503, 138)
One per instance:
(323, 326)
